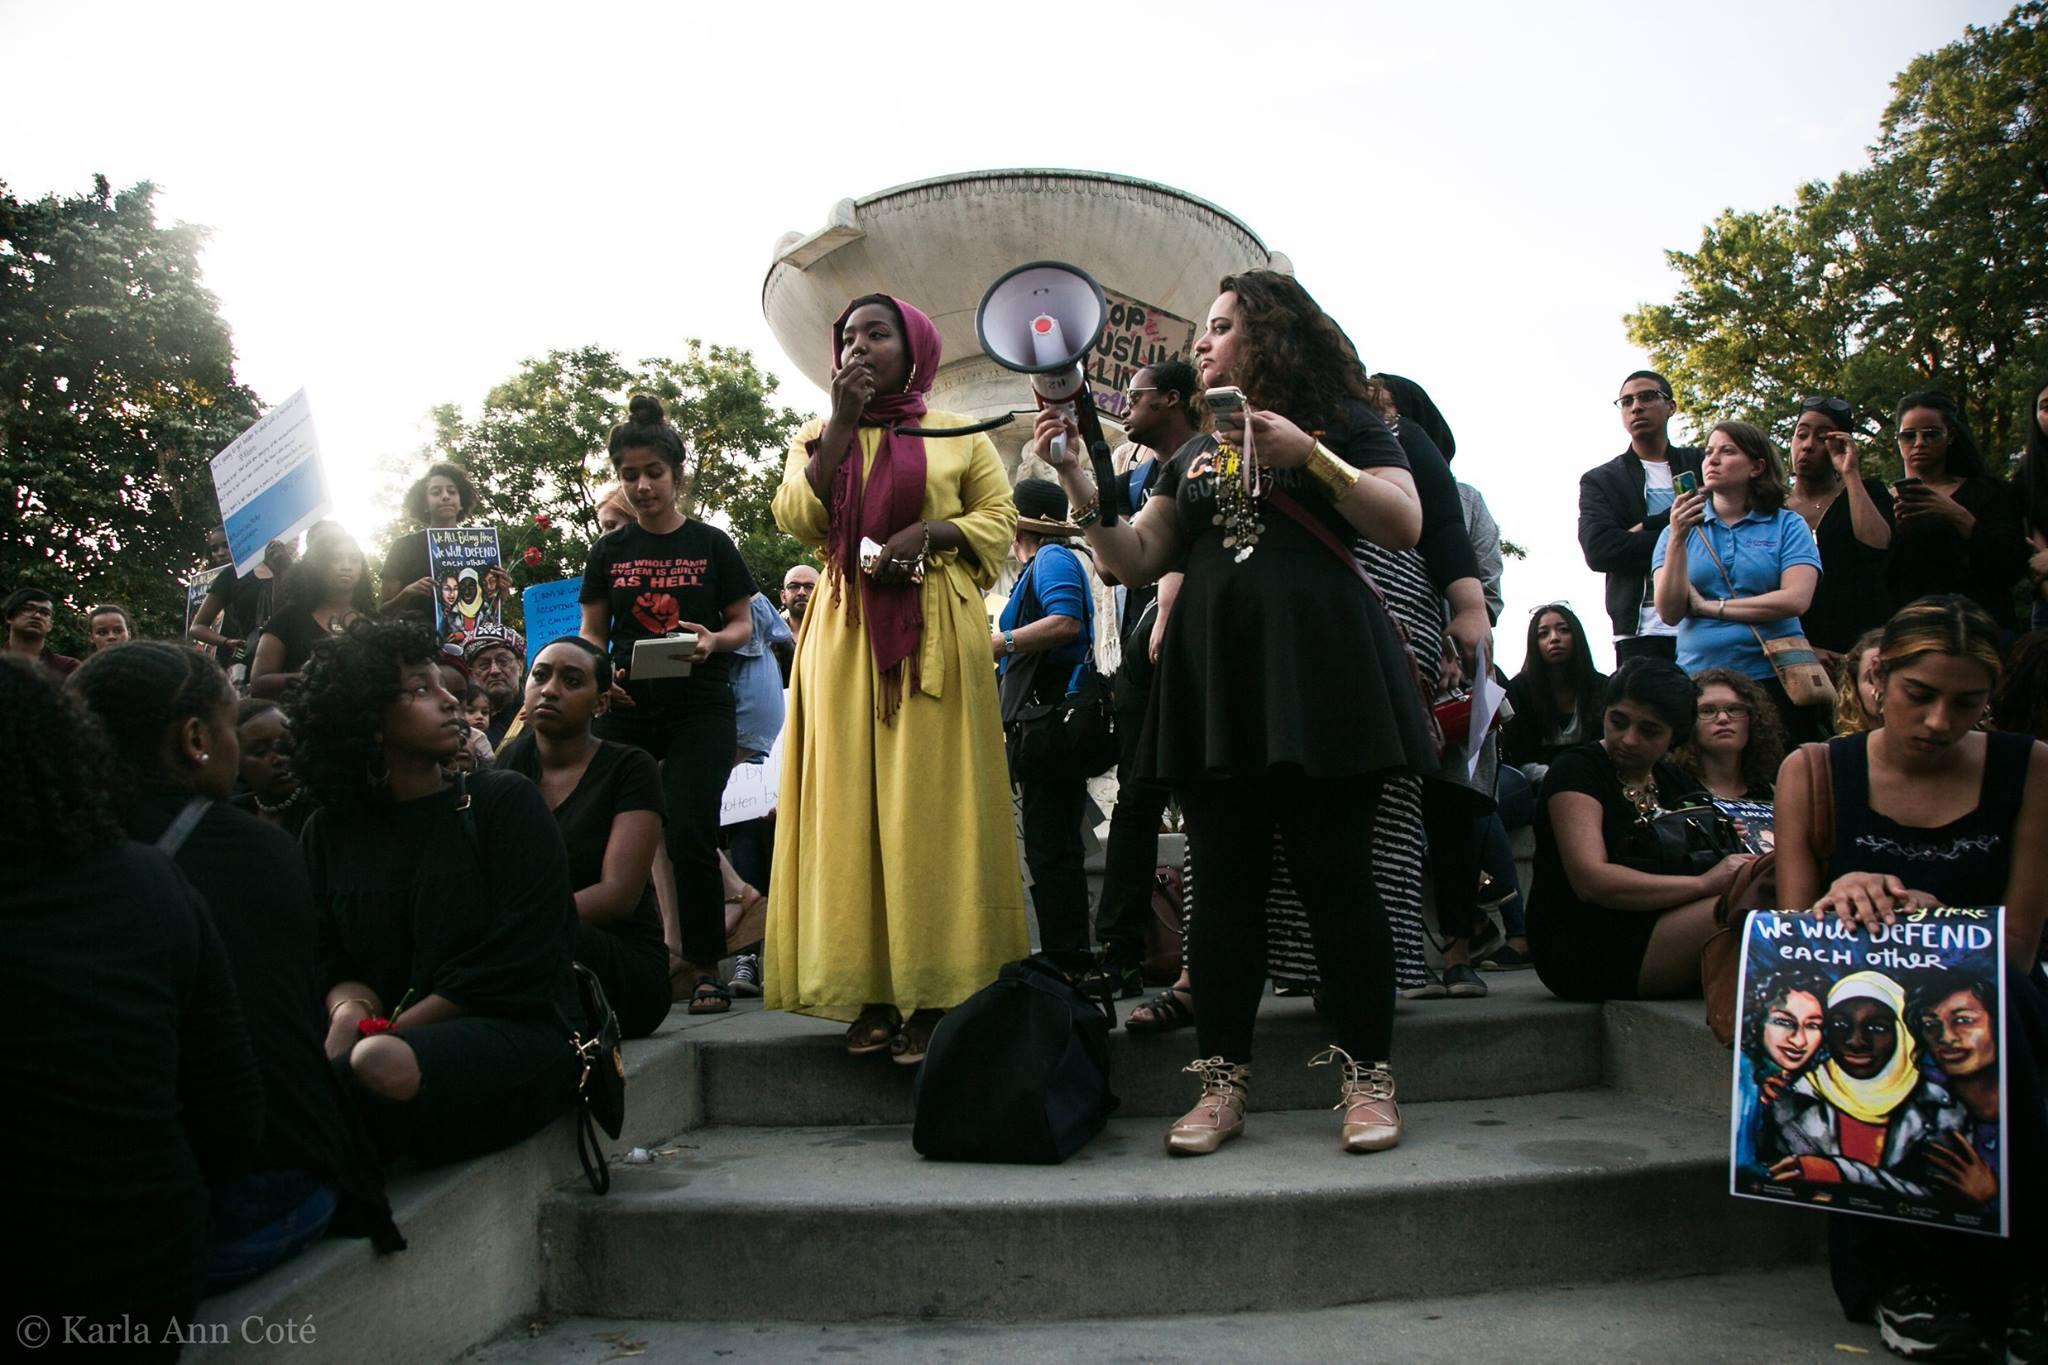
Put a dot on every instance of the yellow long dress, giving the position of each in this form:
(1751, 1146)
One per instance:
(896, 879)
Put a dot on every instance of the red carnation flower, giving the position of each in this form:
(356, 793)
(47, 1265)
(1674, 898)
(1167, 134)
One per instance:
(532, 556)
(542, 520)
(372, 1026)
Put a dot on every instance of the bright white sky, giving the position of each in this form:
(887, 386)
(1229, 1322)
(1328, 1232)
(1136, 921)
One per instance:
(407, 200)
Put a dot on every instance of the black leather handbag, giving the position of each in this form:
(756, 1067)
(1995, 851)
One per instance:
(1679, 843)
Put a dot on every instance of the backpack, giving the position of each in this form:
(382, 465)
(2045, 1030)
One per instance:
(1019, 1072)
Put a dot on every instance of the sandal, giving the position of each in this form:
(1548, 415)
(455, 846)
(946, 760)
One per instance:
(874, 1030)
(1172, 1008)
(710, 995)
(744, 929)
(916, 1037)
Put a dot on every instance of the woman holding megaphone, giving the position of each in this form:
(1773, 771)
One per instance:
(896, 892)
(1282, 698)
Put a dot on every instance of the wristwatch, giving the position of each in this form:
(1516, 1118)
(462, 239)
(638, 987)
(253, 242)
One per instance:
(1009, 642)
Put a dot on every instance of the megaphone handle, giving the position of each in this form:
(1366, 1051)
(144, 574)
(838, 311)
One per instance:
(1109, 489)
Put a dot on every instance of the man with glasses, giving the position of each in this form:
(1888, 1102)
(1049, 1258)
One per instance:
(1624, 504)
(1164, 421)
(30, 612)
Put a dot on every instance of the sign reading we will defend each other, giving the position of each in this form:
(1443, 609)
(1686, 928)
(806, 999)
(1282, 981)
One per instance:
(1136, 335)
(269, 482)
(460, 560)
(1869, 1076)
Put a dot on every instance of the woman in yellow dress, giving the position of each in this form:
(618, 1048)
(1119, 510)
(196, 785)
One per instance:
(896, 892)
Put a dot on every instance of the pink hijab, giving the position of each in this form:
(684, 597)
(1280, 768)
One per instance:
(889, 499)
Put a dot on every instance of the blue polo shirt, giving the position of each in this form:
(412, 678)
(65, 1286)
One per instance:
(1757, 549)
(1052, 584)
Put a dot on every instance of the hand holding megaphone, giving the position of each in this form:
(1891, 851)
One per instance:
(1056, 436)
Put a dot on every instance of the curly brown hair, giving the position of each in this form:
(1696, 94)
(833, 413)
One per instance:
(1766, 747)
(1297, 360)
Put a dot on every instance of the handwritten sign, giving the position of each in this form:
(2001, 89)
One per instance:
(1869, 1067)
(1136, 335)
(751, 791)
(552, 611)
(196, 588)
(269, 482)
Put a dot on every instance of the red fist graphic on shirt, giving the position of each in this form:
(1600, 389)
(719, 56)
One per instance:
(657, 612)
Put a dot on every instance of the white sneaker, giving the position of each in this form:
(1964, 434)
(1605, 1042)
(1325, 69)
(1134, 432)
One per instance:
(746, 976)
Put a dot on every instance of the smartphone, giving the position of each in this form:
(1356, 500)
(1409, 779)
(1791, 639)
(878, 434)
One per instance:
(1903, 484)
(1685, 482)
(1223, 401)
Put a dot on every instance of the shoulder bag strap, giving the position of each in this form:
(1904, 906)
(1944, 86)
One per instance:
(173, 838)
(1820, 801)
(1707, 541)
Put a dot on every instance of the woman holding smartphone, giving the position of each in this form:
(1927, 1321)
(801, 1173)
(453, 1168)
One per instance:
(668, 572)
(1281, 700)
(1851, 520)
(1958, 526)
(1735, 568)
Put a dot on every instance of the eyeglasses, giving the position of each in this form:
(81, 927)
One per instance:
(1635, 400)
(1132, 393)
(1923, 436)
(42, 609)
(1733, 710)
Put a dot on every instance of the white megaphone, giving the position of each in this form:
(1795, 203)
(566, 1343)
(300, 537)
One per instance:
(1040, 319)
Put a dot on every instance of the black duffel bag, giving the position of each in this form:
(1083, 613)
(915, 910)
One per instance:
(1019, 1072)
(1074, 737)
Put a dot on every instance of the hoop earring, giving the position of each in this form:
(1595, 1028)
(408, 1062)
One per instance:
(371, 766)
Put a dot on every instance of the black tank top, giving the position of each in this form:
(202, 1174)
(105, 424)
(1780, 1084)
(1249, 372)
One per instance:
(1964, 862)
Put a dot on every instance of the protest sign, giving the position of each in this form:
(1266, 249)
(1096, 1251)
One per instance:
(552, 611)
(269, 483)
(1134, 335)
(1755, 821)
(460, 560)
(196, 588)
(1868, 1073)
(751, 790)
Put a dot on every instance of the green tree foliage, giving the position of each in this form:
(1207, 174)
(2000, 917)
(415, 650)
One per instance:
(1926, 268)
(119, 383)
(536, 451)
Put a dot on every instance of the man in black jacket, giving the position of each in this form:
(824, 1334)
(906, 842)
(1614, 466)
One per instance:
(1623, 506)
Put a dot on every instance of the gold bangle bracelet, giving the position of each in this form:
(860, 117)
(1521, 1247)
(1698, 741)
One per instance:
(352, 1000)
(1332, 473)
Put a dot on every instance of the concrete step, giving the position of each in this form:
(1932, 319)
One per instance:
(771, 1070)
(844, 1223)
(1783, 1315)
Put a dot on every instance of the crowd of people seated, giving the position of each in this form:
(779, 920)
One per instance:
(307, 891)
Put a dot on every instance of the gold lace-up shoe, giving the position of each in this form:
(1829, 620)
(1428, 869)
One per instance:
(1218, 1116)
(1372, 1121)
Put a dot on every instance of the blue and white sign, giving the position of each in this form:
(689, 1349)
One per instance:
(269, 481)
(552, 611)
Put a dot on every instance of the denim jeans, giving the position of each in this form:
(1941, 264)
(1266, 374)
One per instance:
(263, 1220)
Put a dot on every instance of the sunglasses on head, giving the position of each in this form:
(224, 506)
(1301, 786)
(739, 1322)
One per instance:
(1834, 409)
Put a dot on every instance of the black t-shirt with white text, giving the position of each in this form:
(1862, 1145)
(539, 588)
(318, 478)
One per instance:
(654, 583)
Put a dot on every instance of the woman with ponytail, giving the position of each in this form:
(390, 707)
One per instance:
(896, 889)
(662, 573)
(172, 718)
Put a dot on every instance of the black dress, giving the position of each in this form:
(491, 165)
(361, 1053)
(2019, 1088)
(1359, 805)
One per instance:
(421, 899)
(627, 954)
(130, 1086)
(1850, 597)
(1284, 662)
(1965, 862)
(1592, 952)
(254, 881)
(1931, 556)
